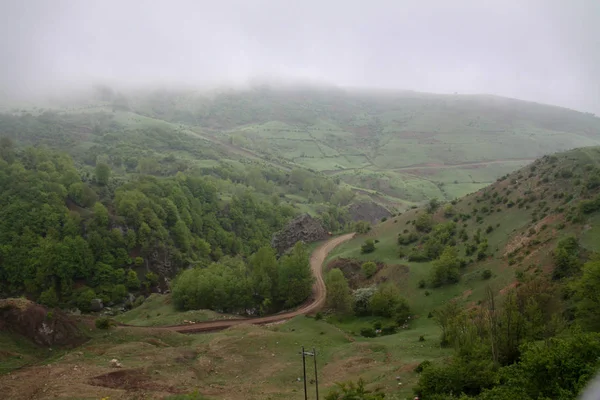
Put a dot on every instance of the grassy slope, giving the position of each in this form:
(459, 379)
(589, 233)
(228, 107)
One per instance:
(380, 135)
(262, 362)
(157, 310)
(532, 230)
(244, 362)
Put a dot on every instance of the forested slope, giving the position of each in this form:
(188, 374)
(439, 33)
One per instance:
(67, 238)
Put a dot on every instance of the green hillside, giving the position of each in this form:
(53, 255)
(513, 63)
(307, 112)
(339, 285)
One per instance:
(499, 286)
(405, 147)
(482, 283)
(410, 146)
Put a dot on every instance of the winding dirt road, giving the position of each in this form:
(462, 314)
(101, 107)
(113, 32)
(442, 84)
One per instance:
(316, 301)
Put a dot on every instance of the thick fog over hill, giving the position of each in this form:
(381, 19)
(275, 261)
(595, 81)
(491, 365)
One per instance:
(540, 50)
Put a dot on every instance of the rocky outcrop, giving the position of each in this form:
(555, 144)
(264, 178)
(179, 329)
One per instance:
(42, 326)
(303, 228)
(368, 211)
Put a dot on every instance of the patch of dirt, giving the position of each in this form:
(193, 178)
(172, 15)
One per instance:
(509, 287)
(131, 379)
(38, 324)
(408, 367)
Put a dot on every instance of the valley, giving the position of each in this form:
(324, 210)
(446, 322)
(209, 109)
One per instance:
(456, 255)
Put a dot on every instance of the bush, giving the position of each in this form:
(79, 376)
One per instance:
(422, 284)
(319, 316)
(421, 338)
(369, 269)
(388, 330)
(368, 332)
(487, 274)
(368, 246)
(104, 323)
(421, 367)
(424, 223)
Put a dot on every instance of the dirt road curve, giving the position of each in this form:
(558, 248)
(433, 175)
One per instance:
(316, 301)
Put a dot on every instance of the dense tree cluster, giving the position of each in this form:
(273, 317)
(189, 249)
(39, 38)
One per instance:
(232, 285)
(66, 238)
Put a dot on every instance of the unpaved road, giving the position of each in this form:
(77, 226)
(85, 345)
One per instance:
(316, 301)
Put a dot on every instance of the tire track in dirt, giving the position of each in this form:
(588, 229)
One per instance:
(316, 301)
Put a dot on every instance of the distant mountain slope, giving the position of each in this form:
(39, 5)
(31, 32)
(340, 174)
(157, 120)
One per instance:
(400, 143)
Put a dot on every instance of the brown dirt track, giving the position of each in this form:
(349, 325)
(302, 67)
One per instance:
(316, 301)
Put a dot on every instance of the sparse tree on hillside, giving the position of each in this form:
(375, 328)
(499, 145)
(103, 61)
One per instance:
(433, 205)
(368, 246)
(388, 302)
(424, 223)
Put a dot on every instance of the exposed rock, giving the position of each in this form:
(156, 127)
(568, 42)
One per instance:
(302, 228)
(96, 305)
(38, 324)
(368, 211)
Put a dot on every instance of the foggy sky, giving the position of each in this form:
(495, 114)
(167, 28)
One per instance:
(541, 50)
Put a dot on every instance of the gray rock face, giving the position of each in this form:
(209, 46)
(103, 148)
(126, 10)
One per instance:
(303, 228)
(96, 305)
(368, 211)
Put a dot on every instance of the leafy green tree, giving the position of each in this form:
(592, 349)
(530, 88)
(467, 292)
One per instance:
(102, 173)
(362, 227)
(424, 222)
(369, 269)
(82, 194)
(587, 293)
(49, 298)
(444, 317)
(264, 274)
(101, 217)
(446, 269)
(132, 281)
(338, 292)
(388, 302)
(362, 300)
(295, 277)
(433, 205)
(566, 258)
(7, 150)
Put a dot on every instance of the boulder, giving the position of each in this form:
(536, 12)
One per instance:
(302, 228)
(96, 305)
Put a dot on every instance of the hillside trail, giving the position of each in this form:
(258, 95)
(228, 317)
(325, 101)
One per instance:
(316, 301)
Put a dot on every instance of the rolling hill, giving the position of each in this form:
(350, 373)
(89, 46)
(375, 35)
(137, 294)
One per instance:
(406, 146)
(523, 218)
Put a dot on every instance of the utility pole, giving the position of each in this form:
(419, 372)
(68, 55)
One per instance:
(316, 374)
(304, 369)
(314, 355)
